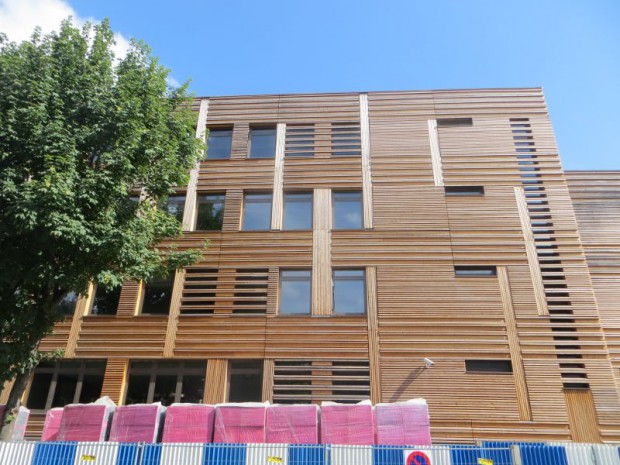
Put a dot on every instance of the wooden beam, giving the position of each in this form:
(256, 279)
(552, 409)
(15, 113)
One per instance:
(366, 172)
(173, 315)
(321, 254)
(433, 136)
(278, 179)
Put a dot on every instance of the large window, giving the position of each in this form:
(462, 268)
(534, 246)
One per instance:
(347, 210)
(56, 384)
(349, 292)
(295, 295)
(262, 142)
(105, 300)
(257, 212)
(219, 143)
(245, 382)
(68, 304)
(157, 295)
(210, 214)
(488, 366)
(174, 206)
(166, 382)
(298, 210)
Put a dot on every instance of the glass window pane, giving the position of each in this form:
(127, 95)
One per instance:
(65, 389)
(91, 388)
(210, 215)
(67, 306)
(193, 389)
(298, 211)
(349, 292)
(295, 292)
(157, 295)
(262, 142)
(219, 144)
(39, 390)
(174, 206)
(257, 212)
(347, 209)
(106, 300)
(137, 389)
(165, 389)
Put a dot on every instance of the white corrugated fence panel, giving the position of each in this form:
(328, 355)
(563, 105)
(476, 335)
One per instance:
(347, 455)
(181, 454)
(267, 454)
(96, 453)
(13, 453)
(606, 454)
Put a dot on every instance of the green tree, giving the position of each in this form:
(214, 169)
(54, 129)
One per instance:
(80, 132)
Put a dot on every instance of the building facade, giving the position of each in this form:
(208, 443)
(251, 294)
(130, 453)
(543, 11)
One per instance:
(351, 237)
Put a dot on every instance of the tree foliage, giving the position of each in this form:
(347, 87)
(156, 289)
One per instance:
(79, 133)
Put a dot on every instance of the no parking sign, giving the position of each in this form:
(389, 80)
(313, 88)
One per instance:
(418, 457)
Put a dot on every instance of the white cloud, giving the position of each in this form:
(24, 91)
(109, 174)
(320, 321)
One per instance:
(172, 82)
(18, 18)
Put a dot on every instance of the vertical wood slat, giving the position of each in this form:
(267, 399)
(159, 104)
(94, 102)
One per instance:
(130, 299)
(268, 373)
(232, 210)
(530, 250)
(321, 253)
(278, 179)
(115, 379)
(173, 315)
(582, 416)
(433, 135)
(366, 170)
(373, 335)
(83, 304)
(216, 383)
(523, 396)
(273, 298)
(6, 391)
(189, 211)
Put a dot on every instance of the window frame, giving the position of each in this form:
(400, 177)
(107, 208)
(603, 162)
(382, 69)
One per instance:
(198, 203)
(164, 206)
(211, 129)
(243, 209)
(281, 280)
(262, 127)
(91, 304)
(170, 277)
(365, 290)
(334, 193)
(310, 193)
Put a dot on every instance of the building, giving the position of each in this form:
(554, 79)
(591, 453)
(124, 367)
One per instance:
(354, 235)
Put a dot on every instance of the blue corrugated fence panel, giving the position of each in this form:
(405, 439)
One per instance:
(54, 453)
(543, 455)
(388, 455)
(127, 454)
(224, 454)
(151, 454)
(299, 454)
(465, 455)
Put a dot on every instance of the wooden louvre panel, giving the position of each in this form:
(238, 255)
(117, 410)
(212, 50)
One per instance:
(115, 379)
(251, 286)
(307, 381)
(346, 139)
(300, 140)
(199, 291)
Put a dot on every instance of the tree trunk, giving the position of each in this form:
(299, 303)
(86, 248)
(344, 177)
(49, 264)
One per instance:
(12, 405)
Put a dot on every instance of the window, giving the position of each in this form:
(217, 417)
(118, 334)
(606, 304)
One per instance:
(68, 304)
(298, 210)
(347, 210)
(475, 271)
(174, 206)
(488, 366)
(454, 122)
(210, 215)
(166, 382)
(295, 295)
(219, 143)
(346, 139)
(257, 212)
(56, 384)
(245, 382)
(262, 142)
(299, 140)
(157, 295)
(105, 301)
(349, 292)
(455, 191)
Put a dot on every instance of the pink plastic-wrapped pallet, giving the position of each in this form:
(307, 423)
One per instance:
(349, 424)
(403, 423)
(52, 424)
(292, 424)
(137, 423)
(86, 422)
(240, 423)
(189, 423)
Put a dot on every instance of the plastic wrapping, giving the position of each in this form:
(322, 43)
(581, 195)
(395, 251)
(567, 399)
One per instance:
(347, 424)
(19, 426)
(240, 423)
(292, 424)
(137, 423)
(189, 423)
(86, 422)
(52, 424)
(403, 423)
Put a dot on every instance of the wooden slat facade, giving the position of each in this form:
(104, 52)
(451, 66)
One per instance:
(537, 310)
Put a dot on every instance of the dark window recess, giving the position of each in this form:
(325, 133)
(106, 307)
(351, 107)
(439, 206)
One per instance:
(175, 206)
(245, 382)
(105, 301)
(576, 385)
(199, 290)
(346, 140)
(262, 142)
(219, 143)
(475, 270)
(210, 212)
(157, 295)
(166, 382)
(251, 291)
(56, 384)
(68, 304)
(464, 190)
(454, 122)
(491, 366)
(299, 140)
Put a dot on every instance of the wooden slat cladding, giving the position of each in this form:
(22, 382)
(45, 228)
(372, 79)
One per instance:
(321, 253)
(115, 379)
(216, 383)
(582, 415)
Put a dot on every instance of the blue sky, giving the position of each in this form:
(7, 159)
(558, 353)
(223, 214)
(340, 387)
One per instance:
(570, 48)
